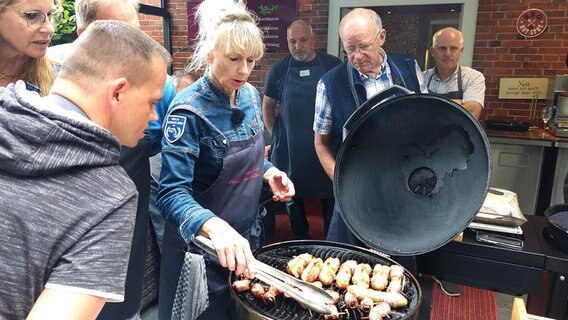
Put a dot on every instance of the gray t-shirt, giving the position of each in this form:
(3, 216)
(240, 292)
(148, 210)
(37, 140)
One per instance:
(67, 208)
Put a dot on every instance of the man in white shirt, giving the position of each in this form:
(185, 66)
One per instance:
(464, 85)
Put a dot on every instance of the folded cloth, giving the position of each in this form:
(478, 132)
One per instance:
(501, 207)
(191, 294)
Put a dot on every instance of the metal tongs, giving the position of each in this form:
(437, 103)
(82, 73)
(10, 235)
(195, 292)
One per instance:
(306, 294)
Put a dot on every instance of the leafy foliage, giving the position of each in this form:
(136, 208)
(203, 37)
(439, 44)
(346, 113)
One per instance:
(65, 31)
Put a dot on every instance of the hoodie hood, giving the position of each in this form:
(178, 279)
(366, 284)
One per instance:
(35, 141)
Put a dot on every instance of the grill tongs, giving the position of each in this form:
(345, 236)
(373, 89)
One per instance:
(306, 294)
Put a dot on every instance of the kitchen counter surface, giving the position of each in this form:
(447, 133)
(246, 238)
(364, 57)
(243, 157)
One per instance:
(536, 136)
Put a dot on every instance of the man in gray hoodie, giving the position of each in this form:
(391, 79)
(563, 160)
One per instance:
(67, 207)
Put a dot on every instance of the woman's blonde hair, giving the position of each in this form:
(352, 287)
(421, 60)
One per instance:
(226, 25)
(38, 71)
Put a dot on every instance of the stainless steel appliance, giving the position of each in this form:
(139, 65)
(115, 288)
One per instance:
(559, 101)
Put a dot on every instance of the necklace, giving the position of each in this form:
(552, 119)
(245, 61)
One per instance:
(8, 76)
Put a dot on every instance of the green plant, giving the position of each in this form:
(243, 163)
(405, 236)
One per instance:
(65, 31)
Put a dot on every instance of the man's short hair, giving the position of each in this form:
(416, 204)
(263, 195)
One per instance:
(448, 29)
(361, 14)
(112, 49)
(86, 10)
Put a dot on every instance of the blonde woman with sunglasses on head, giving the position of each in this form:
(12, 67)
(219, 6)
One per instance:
(26, 28)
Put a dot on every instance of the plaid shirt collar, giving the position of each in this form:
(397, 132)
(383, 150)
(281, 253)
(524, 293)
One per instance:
(453, 76)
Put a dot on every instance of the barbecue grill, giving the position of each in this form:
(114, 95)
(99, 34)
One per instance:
(411, 173)
(245, 306)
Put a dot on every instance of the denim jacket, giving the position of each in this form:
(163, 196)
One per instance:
(193, 158)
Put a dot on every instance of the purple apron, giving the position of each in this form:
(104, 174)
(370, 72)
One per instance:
(233, 197)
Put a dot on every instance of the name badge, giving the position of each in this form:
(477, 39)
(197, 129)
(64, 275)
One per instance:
(304, 73)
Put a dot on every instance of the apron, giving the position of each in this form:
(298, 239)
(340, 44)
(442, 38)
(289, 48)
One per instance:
(453, 94)
(233, 197)
(293, 148)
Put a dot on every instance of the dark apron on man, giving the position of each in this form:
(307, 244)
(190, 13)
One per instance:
(233, 197)
(293, 148)
(136, 164)
(452, 94)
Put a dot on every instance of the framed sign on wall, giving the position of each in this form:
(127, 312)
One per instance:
(532, 23)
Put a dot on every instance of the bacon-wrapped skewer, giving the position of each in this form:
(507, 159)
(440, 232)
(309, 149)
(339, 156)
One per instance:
(350, 300)
(380, 278)
(359, 292)
(296, 266)
(396, 271)
(366, 304)
(270, 295)
(379, 311)
(361, 275)
(329, 270)
(396, 285)
(343, 277)
(334, 313)
(334, 295)
(395, 300)
(257, 290)
(312, 270)
(241, 285)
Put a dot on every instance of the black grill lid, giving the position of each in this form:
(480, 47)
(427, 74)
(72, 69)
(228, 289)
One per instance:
(411, 173)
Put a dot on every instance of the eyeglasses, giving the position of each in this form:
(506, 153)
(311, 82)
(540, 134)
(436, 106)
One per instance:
(36, 19)
(363, 47)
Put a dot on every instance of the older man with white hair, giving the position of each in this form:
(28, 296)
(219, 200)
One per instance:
(464, 85)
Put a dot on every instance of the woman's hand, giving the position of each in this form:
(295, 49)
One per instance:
(281, 186)
(233, 250)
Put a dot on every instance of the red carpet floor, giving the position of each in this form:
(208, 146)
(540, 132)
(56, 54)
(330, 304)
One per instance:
(472, 304)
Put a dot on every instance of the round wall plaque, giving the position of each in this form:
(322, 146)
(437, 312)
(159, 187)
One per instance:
(532, 23)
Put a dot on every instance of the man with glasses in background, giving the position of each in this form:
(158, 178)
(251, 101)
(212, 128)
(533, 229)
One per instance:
(465, 86)
(367, 71)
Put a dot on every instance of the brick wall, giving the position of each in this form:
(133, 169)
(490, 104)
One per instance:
(313, 11)
(499, 50)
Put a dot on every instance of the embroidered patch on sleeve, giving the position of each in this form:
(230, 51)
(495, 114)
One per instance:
(174, 128)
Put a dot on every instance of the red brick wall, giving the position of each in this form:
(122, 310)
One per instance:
(152, 25)
(313, 11)
(499, 51)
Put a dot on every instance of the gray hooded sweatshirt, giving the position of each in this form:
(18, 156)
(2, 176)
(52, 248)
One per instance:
(66, 207)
